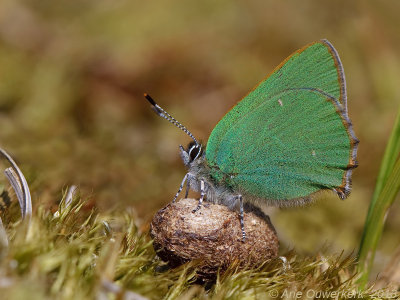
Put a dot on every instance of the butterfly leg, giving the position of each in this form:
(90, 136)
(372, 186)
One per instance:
(187, 188)
(202, 193)
(180, 188)
(242, 218)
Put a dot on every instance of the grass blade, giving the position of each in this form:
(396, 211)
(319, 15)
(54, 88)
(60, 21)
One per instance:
(387, 187)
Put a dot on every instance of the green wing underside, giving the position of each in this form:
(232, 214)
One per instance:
(286, 139)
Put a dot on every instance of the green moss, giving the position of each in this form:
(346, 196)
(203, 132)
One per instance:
(79, 253)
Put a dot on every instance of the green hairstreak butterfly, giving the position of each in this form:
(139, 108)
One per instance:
(287, 139)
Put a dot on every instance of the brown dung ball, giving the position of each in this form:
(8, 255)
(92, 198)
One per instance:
(212, 236)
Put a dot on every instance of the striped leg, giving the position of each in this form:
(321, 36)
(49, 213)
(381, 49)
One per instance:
(202, 193)
(180, 188)
(242, 218)
(187, 188)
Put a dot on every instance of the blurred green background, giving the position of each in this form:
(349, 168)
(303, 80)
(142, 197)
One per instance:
(73, 74)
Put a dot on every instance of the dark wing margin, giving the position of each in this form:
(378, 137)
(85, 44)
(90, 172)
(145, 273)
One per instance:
(344, 190)
(340, 71)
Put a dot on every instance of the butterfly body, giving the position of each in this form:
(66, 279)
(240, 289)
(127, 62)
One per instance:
(216, 191)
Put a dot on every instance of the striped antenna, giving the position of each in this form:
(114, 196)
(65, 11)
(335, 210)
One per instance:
(162, 113)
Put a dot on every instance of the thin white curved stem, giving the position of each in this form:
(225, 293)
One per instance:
(20, 186)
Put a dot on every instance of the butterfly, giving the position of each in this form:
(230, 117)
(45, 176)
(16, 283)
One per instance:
(287, 139)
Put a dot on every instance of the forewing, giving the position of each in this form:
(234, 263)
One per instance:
(290, 136)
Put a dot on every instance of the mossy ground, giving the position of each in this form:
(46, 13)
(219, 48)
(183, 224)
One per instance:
(77, 252)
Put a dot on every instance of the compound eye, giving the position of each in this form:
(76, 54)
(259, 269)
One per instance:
(194, 151)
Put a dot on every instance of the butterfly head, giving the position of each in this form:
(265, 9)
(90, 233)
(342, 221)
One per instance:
(191, 153)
